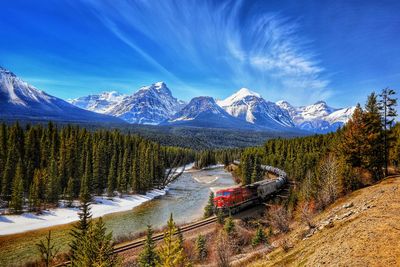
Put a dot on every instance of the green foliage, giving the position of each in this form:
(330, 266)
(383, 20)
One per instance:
(259, 238)
(209, 209)
(79, 234)
(394, 155)
(387, 107)
(148, 257)
(204, 159)
(17, 197)
(201, 248)
(229, 225)
(47, 250)
(171, 252)
(69, 191)
(220, 217)
(250, 166)
(98, 247)
(76, 162)
(52, 183)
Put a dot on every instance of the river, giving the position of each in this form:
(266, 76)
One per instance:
(185, 199)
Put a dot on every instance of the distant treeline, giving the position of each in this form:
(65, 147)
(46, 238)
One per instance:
(206, 158)
(325, 166)
(44, 164)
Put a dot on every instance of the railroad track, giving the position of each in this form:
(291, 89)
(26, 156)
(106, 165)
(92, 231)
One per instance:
(139, 243)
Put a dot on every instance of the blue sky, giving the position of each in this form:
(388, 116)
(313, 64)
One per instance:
(300, 51)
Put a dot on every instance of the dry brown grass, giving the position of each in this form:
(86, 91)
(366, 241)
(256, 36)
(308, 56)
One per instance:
(370, 236)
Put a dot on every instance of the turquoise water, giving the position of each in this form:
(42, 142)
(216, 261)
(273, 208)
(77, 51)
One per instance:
(186, 199)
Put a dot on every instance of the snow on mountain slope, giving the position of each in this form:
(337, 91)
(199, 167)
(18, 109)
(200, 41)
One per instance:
(101, 103)
(19, 100)
(150, 105)
(318, 117)
(251, 107)
(203, 111)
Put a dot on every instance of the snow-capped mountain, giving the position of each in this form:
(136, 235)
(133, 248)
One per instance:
(203, 111)
(251, 107)
(19, 100)
(150, 105)
(101, 103)
(318, 117)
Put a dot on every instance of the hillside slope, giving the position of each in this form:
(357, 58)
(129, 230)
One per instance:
(362, 229)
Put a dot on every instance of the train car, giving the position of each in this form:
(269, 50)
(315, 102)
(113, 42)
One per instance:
(234, 199)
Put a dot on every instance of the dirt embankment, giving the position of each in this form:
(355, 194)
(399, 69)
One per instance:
(361, 229)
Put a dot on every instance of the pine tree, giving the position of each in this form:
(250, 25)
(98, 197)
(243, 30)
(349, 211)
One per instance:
(17, 197)
(69, 192)
(3, 148)
(124, 177)
(47, 250)
(97, 247)
(84, 194)
(373, 155)
(52, 185)
(201, 248)
(8, 174)
(229, 226)
(387, 106)
(148, 257)
(79, 234)
(220, 216)
(255, 175)
(34, 191)
(259, 238)
(353, 139)
(112, 176)
(209, 209)
(171, 253)
(246, 168)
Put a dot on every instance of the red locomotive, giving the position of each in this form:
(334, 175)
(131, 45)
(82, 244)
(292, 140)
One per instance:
(234, 199)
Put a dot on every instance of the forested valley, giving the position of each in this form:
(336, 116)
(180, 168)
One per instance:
(323, 167)
(41, 165)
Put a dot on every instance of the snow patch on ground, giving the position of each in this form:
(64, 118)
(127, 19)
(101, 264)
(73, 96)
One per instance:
(12, 224)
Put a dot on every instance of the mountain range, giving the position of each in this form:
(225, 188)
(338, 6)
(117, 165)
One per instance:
(21, 101)
(245, 109)
(155, 105)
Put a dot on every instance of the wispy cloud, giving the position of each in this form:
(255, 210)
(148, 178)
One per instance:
(233, 43)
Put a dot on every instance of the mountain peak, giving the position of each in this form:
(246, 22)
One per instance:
(238, 96)
(321, 102)
(6, 72)
(160, 87)
(243, 92)
(160, 84)
(283, 103)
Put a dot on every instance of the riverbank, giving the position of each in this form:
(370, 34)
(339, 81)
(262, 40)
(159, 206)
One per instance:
(14, 224)
(185, 199)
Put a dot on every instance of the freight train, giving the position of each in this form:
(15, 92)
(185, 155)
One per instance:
(231, 200)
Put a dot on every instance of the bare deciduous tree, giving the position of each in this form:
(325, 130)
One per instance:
(329, 180)
(307, 214)
(279, 218)
(223, 251)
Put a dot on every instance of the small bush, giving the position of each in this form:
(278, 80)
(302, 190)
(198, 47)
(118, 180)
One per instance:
(223, 251)
(229, 226)
(201, 248)
(259, 238)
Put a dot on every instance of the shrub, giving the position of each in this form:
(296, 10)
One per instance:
(279, 218)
